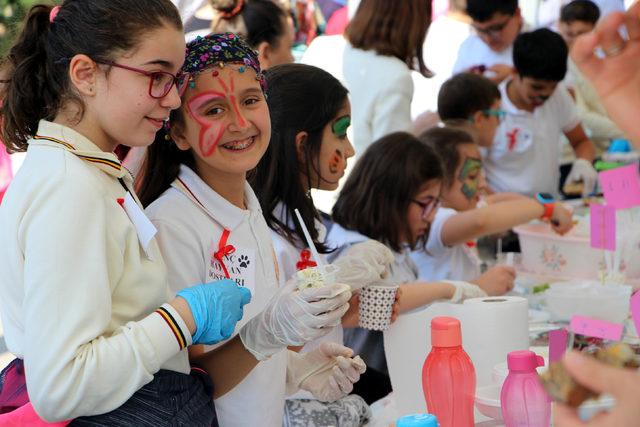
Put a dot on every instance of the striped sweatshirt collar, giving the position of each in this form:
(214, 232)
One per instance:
(59, 136)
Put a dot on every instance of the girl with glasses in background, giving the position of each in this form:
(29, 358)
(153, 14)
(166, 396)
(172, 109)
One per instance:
(392, 196)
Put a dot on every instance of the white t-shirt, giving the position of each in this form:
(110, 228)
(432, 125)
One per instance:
(474, 51)
(525, 155)
(191, 219)
(439, 262)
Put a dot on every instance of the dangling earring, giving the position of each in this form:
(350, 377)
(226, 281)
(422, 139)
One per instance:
(167, 130)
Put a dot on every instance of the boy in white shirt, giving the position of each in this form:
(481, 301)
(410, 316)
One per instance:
(524, 157)
(497, 24)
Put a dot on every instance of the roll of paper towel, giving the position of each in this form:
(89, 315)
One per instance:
(491, 328)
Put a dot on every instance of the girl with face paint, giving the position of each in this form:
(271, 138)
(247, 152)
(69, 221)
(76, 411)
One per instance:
(309, 148)
(450, 253)
(210, 225)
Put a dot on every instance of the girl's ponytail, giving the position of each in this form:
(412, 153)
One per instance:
(29, 93)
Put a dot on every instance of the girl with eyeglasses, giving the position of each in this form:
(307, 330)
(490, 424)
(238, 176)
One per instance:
(450, 249)
(86, 307)
(392, 196)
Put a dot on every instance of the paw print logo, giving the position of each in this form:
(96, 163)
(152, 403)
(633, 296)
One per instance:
(244, 261)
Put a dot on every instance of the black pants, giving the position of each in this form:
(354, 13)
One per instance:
(170, 399)
(373, 386)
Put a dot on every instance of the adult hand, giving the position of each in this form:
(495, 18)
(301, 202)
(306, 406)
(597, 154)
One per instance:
(294, 317)
(623, 384)
(216, 307)
(616, 77)
(498, 280)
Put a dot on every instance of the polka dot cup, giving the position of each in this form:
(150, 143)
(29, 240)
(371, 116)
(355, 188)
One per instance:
(376, 306)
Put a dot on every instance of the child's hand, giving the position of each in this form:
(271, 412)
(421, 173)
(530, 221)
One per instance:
(351, 318)
(497, 280)
(562, 219)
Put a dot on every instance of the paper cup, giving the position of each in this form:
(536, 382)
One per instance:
(376, 307)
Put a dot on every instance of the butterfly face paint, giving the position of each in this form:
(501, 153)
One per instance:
(206, 109)
(470, 176)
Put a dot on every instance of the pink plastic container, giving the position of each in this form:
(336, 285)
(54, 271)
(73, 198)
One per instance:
(524, 401)
(448, 375)
(570, 256)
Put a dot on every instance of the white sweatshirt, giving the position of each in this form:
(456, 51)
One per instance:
(77, 291)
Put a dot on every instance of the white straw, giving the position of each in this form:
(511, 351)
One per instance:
(307, 236)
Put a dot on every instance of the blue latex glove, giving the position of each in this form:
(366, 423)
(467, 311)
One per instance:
(216, 307)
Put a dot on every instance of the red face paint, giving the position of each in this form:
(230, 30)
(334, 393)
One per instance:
(336, 163)
(211, 132)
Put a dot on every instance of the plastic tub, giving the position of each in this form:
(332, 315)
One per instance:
(566, 257)
(590, 299)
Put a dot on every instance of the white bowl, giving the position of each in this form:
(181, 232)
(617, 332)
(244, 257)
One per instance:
(488, 403)
(590, 299)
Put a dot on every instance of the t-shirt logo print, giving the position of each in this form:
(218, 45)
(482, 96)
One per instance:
(243, 261)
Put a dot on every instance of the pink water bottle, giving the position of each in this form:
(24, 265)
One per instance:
(448, 376)
(524, 401)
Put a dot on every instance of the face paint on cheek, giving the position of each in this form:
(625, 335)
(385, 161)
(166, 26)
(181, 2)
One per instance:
(210, 132)
(470, 177)
(336, 162)
(229, 90)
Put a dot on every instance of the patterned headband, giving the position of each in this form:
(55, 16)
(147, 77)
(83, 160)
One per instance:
(217, 50)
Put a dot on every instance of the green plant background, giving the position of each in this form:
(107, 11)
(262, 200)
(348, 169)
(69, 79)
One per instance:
(11, 14)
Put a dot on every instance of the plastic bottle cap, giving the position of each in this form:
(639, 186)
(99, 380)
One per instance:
(417, 420)
(445, 332)
(524, 361)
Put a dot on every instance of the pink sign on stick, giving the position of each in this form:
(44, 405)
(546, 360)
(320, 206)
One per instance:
(596, 328)
(635, 310)
(621, 186)
(603, 227)
(557, 344)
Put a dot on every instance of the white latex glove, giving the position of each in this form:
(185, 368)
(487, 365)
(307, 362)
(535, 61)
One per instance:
(465, 290)
(364, 263)
(294, 317)
(328, 372)
(583, 170)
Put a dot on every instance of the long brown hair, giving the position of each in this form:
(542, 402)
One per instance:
(392, 28)
(37, 66)
(375, 199)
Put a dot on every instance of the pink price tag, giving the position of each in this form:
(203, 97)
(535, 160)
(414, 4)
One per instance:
(596, 328)
(621, 186)
(635, 310)
(557, 344)
(603, 227)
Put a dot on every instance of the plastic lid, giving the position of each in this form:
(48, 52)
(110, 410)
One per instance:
(445, 332)
(524, 361)
(417, 420)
